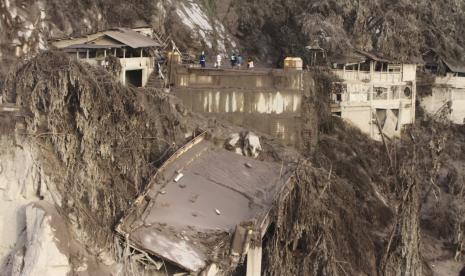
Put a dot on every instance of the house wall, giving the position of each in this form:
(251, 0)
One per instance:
(146, 64)
(458, 106)
(268, 101)
(359, 116)
(448, 89)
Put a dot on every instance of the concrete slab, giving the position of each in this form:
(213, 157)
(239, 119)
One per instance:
(191, 222)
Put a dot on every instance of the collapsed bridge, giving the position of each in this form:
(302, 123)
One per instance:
(206, 209)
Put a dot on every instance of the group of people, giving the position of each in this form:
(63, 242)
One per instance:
(236, 61)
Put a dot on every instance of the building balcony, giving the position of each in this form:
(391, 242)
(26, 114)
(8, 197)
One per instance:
(363, 76)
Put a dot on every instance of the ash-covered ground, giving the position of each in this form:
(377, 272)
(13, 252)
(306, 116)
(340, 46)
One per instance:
(358, 207)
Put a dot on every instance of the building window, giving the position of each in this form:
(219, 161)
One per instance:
(407, 92)
(380, 93)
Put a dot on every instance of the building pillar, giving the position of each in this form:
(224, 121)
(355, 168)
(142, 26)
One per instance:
(87, 54)
(105, 53)
(372, 70)
(124, 52)
(254, 261)
(77, 54)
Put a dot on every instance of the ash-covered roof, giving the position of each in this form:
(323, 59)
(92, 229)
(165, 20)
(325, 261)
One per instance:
(453, 65)
(120, 36)
(358, 56)
(131, 38)
(190, 210)
(93, 46)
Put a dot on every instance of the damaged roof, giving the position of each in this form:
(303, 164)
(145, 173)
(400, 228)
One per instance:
(358, 56)
(191, 208)
(121, 37)
(131, 38)
(453, 64)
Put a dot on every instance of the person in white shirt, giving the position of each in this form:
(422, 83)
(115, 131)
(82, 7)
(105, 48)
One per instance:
(218, 61)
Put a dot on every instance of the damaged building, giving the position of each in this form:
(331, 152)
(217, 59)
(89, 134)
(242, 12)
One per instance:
(447, 86)
(206, 210)
(134, 49)
(375, 94)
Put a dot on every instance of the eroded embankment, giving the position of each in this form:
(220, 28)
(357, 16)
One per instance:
(100, 141)
(373, 208)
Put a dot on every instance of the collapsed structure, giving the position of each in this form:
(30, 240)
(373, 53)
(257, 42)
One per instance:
(375, 94)
(134, 48)
(447, 86)
(206, 209)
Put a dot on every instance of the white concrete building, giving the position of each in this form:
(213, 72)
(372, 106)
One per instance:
(448, 86)
(134, 48)
(375, 91)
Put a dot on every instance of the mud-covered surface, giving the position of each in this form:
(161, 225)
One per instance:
(190, 211)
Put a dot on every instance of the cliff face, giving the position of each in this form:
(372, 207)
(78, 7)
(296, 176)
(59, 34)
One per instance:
(269, 30)
(399, 29)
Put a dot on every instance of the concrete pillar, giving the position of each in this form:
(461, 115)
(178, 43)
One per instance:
(254, 261)
(105, 53)
(372, 70)
(87, 54)
(77, 54)
(124, 52)
(123, 76)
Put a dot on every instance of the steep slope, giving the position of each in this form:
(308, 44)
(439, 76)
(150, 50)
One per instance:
(399, 29)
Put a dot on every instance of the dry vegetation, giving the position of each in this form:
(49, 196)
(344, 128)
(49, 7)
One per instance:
(399, 29)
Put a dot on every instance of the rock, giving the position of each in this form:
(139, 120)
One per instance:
(233, 142)
(252, 146)
(41, 253)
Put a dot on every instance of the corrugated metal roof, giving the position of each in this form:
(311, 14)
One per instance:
(131, 38)
(373, 56)
(454, 65)
(93, 46)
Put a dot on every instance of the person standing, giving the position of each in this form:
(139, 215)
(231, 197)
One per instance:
(219, 58)
(233, 60)
(203, 59)
(239, 60)
(250, 64)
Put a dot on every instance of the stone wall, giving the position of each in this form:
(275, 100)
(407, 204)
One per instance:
(265, 100)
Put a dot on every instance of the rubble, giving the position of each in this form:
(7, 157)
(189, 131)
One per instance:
(246, 144)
